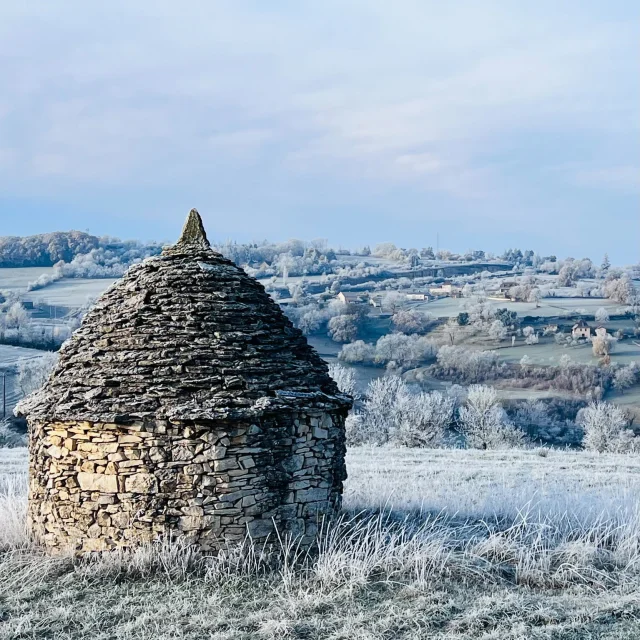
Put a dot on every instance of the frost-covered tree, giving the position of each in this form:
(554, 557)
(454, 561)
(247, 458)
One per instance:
(605, 428)
(525, 361)
(602, 315)
(564, 362)
(393, 300)
(358, 352)
(17, 316)
(484, 422)
(411, 321)
(345, 378)
(343, 328)
(394, 412)
(619, 287)
(497, 330)
(423, 419)
(535, 295)
(625, 377)
(603, 343)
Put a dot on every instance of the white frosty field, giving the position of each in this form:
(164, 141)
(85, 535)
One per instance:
(549, 307)
(457, 545)
(17, 279)
(70, 292)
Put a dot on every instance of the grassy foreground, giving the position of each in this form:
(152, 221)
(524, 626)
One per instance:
(453, 544)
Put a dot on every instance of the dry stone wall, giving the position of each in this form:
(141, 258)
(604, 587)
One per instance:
(101, 486)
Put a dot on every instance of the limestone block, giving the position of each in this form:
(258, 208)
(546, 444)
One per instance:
(320, 433)
(260, 528)
(225, 464)
(98, 482)
(141, 483)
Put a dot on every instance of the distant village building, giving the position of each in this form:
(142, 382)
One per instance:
(186, 406)
(375, 301)
(581, 330)
(417, 295)
(446, 289)
(348, 297)
(505, 290)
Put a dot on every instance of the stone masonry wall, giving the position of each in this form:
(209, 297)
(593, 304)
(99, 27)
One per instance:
(96, 487)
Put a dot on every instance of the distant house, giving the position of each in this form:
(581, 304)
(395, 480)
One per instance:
(417, 295)
(349, 297)
(505, 290)
(581, 330)
(446, 289)
(550, 328)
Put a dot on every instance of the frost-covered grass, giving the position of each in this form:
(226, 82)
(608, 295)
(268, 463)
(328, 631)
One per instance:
(434, 544)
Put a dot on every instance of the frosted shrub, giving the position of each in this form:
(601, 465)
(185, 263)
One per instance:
(484, 422)
(497, 330)
(358, 351)
(343, 328)
(424, 419)
(380, 407)
(464, 364)
(625, 377)
(605, 429)
(395, 413)
(356, 430)
(603, 344)
(404, 350)
(345, 378)
(411, 321)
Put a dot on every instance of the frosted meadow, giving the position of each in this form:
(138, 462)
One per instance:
(444, 543)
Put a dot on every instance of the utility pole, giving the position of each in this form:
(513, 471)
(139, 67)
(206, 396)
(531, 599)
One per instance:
(4, 395)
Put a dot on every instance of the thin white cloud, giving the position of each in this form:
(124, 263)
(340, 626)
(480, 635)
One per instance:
(471, 100)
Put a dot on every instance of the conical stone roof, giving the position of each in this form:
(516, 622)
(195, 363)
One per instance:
(184, 336)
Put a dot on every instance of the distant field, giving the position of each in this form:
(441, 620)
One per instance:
(9, 357)
(450, 307)
(70, 292)
(17, 279)
(548, 353)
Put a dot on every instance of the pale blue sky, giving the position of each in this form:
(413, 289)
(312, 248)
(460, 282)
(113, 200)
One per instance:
(494, 123)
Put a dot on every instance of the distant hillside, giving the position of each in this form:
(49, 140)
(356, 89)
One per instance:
(45, 249)
(75, 254)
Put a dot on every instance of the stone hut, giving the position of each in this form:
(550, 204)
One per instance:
(186, 405)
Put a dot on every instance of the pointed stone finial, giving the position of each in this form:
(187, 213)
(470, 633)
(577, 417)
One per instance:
(193, 231)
